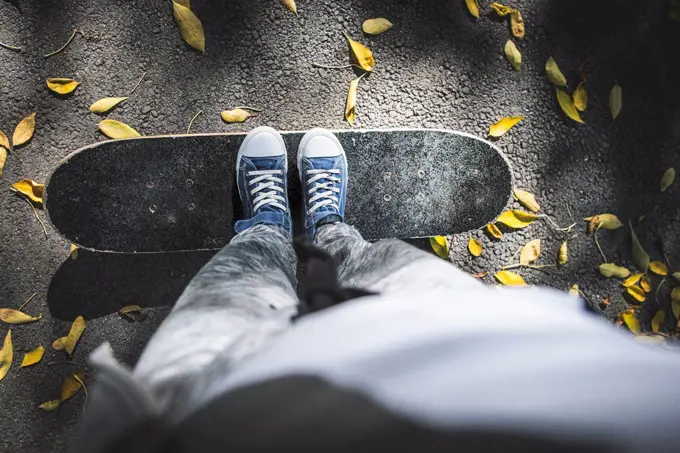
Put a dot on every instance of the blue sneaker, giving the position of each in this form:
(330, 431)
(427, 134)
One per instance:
(261, 167)
(323, 175)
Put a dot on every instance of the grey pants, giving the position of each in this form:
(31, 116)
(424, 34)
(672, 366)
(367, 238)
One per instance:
(245, 297)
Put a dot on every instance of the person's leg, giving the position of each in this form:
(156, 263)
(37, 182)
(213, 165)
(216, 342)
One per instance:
(388, 265)
(244, 296)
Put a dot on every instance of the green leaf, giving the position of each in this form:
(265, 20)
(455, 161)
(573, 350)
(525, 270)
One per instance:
(640, 257)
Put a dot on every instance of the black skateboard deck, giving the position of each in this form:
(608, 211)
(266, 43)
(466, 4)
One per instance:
(172, 193)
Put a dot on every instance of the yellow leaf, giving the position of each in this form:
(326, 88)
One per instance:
(530, 252)
(24, 130)
(59, 344)
(527, 199)
(573, 291)
(667, 179)
(71, 385)
(50, 406)
(516, 219)
(510, 279)
(73, 252)
(4, 141)
(132, 312)
(236, 115)
(361, 55)
(631, 321)
(16, 317)
(350, 106)
(646, 284)
(612, 270)
(105, 104)
(494, 231)
(33, 357)
(675, 306)
(77, 329)
(606, 221)
(581, 97)
(632, 280)
(676, 276)
(185, 3)
(657, 321)
(501, 127)
(290, 5)
(440, 246)
(473, 7)
(658, 268)
(30, 188)
(115, 129)
(376, 26)
(475, 247)
(636, 293)
(554, 74)
(615, 100)
(513, 55)
(502, 10)
(189, 25)
(3, 158)
(62, 86)
(675, 294)
(640, 257)
(567, 105)
(6, 355)
(563, 254)
(517, 25)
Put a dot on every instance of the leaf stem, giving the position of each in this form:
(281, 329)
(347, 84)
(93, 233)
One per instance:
(35, 211)
(84, 389)
(530, 266)
(27, 301)
(67, 362)
(512, 258)
(192, 120)
(656, 293)
(557, 227)
(73, 35)
(597, 242)
(245, 107)
(138, 83)
(7, 46)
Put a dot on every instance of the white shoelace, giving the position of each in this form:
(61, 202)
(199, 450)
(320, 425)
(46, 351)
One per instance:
(267, 179)
(323, 194)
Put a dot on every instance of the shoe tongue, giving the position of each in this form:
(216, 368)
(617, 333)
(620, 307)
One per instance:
(270, 163)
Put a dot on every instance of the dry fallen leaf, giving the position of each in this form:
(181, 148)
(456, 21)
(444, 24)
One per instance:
(606, 221)
(105, 104)
(189, 25)
(563, 254)
(4, 141)
(3, 158)
(350, 106)
(361, 55)
(502, 10)
(290, 5)
(567, 105)
(440, 246)
(475, 247)
(77, 329)
(675, 307)
(606, 301)
(631, 321)
(480, 274)
(516, 219)
(24, 131)
(517, 25)
(676, 276)
(554, 74)
(510, 279)
(132, 312)
(615, 100)
(612, 270)
(235, 115)
(376, 26)
(657, 321)
(640, 257)
(675, 294)
(530, 252)
(636, 293)
(61, 85)
(646, 284)
(59, 344)
(513, 55)
(116, 130)
(632, 280)
(473, 7)
(73, 251)
(16, 317)
(581, 97)
(6, 355)
(30, 188)
(50, 406)
(494, 231)
(658, 268)
(573, 291)
(33, 357)
(527, 199)
(499, 128)
(667, 179)
(71, 385)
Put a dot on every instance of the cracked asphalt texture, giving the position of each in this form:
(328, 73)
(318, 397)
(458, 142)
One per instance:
(438, 68)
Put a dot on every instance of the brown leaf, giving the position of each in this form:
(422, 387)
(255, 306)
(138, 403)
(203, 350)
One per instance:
(6, 355)
(290, 5)
(350, 106)
(59, 344)
(499, 128)
(513, 56)
(568, 107)
(473, 7)
(77, 329)
(530, 252)
(33, 357)
(11, 316)
(24, 131)
(517, 25)
(480, 274)
(30, 188)
(361, 55)
(494, 231)
(50, 406)
(606, 301)
(581, 97)
(190, 27)
(606, 221)
(563, 254)
(117, 130)
(71, 385)
(474, 247)
(61, 85)
(376, 26)
(527, 199)
(235, 115)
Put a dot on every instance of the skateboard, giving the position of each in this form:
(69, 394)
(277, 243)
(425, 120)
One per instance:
(179, 193)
